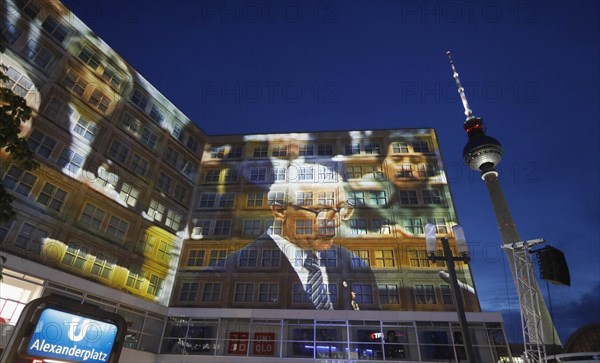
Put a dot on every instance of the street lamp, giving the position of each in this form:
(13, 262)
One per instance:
(461, 246)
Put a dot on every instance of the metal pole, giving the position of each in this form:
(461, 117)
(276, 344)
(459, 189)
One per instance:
(457, 295)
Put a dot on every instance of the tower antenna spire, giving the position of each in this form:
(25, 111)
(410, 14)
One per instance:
(461, 90)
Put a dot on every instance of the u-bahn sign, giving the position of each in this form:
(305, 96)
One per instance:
(53, 328)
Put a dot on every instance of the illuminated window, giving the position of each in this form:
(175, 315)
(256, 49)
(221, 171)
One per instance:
(372, 148)
(304, 198)
(10, 32)
(70, 161)
(325, 149)
(244, 292)
(248, 258)
(37, 54)
(92, 216)
(377, 197)
(260, 151)
(164, 251)
(139, 165)
(103, 266)
(88, 57)
(446, 295)
(252, 228)
(352, 149)
(155, 285)
(413, 225)
(19, 180)
(17, 82)
(274, 226)
(440, 225)
(278, 173)
(271, 258)
(195, 258)
(420, 258)
(106, 179)
(306, 150)
(304, 226)
(85, 128)
(431, 196)
(306, 173)
(420, 146)
(117, 228)
(400, 147)
(427, 170)
(356, 198)
(41, 144)
(424, 294)
(268, 293)
(173, 220)
(156, 210)
(360, 258)
(129, 194)
(217, 152)
(163, 182)
(327, 173)
(52, 197)
(364, 293)
(374, 171)
(227, 200)
(328, 258)
(189, 291)
(222, 228)
(326, 226)
(358, 226)
(384, 258)
(325, 198)
(207, 200)
(149, 245)
(380, 226)
(135, 278)
(139, 99)
(75, 83)
(255, 199)
(217, 258)
(299, 257)
(279, 150)
(99, 100)
(404, 171)
(408, 197)
(118, 151)
(30, 238)
(112, 76)
(211, 292)
(388, 294)
(75, 256)
(276, 197)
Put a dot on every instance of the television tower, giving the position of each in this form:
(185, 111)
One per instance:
(483, 153)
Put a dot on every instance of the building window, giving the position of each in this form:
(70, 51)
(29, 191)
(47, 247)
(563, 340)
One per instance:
(59, 111)
(427, 170)
(244, 292)
(255, 199)
(446, 295)
(235, 152)
(418, 258)
(399, 147)
(231, 175)
(424, 294)
(37, 54)
(364, 293)
(420, 146)
(103, 266)
(388, 294)
(431, 196)
(278, 173)
(180, 193)
(276, 197)
(358, 226)
(10, 32)
(268, 293)
(217, 152)
(135, 278)
(222, 228)
(271, 258)
(106, 179)
(112, 76)
(279, 150)
(248, 258)
(192, 144)
(212, 175)
(372, 148)
(156, 210)
(404, 171)
(274, 226)
(155, 285)
(163, 182)
(75, 256)
(211, 292)
(306, 173)
(260, 151)
(88, 57)
(328, 258)
(325, 149)
(164, 251)
(129, 194)
(149, 138)
(189, 291)
(252, 228)
(86, 129)
(5, 228)
(177, 131)
(118, 151)
(327, 173)
(227, 200)
(195, 258)
(41, 144)
(139, 165)
(207, 200)
(325, 198)
(30, 238)
(380, 226)
(217, 258)
(413, 225)
(352, 149)
(52, 197)
(19, 180)
(258, 174)
(30, 9)
(306, 150)
(117, 228)
(92, 216)
(384, 258)
(440, 225)
(377, 197)
(99, 101)
(139, 99)
(157, 114)
(326, 226)
(360, 258)
(356, 198)
(299, 296)
(17, 82)
(172, 158)
(304, 226)
(75, 83)
(408, 197)
(304, 198)
(353, 172)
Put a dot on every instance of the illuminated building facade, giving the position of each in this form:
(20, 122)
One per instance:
(135, 209)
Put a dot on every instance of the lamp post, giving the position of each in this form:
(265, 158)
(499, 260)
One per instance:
(461, 245)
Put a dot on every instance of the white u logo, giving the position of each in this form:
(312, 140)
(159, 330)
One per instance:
(82, 331)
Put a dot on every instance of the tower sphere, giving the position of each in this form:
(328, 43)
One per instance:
(482, 153)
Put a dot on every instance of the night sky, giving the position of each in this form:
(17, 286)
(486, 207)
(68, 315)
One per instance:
(530, 69)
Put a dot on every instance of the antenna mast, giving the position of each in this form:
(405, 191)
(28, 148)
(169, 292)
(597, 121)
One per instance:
(461, 90)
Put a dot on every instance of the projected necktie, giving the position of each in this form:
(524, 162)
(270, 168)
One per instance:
(315, 283)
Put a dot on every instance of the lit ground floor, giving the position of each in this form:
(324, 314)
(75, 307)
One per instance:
(161, 334)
